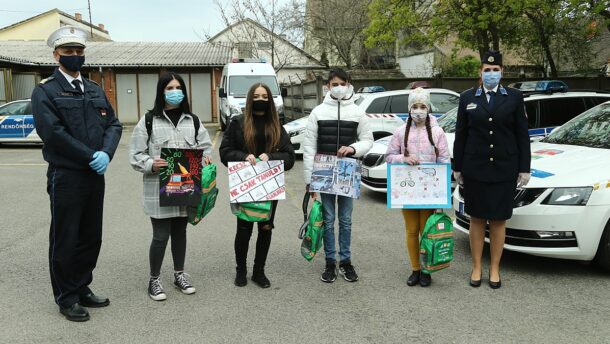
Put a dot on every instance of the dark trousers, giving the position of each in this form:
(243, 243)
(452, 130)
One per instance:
(263, 241)
(75, 237)
(162, 230)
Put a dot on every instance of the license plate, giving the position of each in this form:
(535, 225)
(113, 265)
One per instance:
(365, 172)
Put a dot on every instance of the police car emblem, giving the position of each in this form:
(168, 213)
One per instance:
(71, 30)
(490, 59)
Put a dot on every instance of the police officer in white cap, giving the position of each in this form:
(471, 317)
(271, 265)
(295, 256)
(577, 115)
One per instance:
(80, 133)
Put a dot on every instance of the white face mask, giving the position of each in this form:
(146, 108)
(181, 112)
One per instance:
(341, 92)
(419, 115)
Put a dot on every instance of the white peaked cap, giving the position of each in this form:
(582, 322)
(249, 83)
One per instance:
(67, 35)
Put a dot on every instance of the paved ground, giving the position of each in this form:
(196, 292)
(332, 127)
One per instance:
(542, 300)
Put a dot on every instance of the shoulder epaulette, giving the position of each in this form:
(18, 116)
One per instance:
(44, 81)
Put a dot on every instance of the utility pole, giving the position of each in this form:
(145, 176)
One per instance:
(90, 21)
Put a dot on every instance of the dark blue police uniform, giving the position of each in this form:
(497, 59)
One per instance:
(73, 126)
(491, 148)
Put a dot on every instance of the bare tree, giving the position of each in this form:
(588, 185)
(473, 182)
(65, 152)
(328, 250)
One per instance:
(338, 25)
(269, 21)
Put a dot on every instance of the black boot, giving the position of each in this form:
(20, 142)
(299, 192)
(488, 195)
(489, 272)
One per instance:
(240, 277)
(258, 277)
(414, 278)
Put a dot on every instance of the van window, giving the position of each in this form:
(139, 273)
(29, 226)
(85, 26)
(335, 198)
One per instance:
(377, 105)
(556, 112)
(531, 109)
(239, 85)
(399, 104)
(442, 103)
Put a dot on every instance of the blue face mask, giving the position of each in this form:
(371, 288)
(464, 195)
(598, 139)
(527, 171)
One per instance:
(174, 97)
(491, 79)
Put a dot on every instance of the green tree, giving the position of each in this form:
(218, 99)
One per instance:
(467, 66)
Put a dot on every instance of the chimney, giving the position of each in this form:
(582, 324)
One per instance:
(101, 26)
(79, 17)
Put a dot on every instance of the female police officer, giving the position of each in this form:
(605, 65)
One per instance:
(80, 134)
(491, 158)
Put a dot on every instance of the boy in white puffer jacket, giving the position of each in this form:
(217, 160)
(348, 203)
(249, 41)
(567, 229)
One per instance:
(336, 127)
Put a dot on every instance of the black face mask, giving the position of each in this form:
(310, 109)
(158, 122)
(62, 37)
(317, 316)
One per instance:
(259, 105)
(72, 62)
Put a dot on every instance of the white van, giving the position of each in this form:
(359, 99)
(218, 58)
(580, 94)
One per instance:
(237, 78)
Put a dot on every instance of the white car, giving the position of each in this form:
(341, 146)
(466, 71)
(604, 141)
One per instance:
(17, 123)
(386, 111)
(564, 211)
(545, 112)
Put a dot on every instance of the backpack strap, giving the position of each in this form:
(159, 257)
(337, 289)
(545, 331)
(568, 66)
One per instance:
(149, 117)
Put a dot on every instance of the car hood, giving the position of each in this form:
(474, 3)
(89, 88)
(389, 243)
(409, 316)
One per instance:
(555, 165)
(296, 125)
(380, 146)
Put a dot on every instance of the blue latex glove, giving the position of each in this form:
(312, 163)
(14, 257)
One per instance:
(100, 162)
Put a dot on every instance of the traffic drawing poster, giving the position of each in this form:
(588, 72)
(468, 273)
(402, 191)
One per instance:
(252, 183)
(338, 176)
(425, 186)
(180, 180)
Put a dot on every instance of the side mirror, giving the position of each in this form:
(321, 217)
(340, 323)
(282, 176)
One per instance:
(284, 92)
(222, 93)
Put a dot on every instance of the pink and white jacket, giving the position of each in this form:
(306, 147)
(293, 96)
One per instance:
(419, 145)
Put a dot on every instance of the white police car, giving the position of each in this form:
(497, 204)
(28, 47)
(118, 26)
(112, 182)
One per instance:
(564, 211)
(17, 123)
(386, 112)
(545, 112)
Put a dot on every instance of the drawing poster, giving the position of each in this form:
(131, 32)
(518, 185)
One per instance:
(425, 186)
(338, 176)
(180, 180)
(252, 183)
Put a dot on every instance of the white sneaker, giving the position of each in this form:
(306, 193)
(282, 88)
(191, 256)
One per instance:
(155, 289)
(181, 282)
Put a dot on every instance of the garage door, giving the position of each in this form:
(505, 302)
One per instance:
(127, 98)
(201, 96)
(147, 91)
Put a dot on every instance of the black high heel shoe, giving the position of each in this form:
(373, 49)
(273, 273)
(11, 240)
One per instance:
(475, 283)
(495, 285)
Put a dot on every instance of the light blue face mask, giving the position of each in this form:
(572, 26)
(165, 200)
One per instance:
(174, 97)
(491, 79)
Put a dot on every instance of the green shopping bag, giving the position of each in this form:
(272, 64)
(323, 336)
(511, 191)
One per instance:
(312, 230)
(209, 193)
(252, 211)
(436, 244)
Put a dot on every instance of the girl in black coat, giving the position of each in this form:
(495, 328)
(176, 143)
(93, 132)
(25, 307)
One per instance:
(256, 135)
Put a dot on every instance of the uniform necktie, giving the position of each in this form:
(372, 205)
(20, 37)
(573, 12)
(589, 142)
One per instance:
(492, 95)
(76, 84)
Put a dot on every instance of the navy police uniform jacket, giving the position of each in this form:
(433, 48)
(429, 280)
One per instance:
(73, 124)
(491, 144)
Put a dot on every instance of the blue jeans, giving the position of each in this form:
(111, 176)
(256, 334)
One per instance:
(346, 204)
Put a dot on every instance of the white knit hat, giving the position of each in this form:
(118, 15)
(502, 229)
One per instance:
(420, 96)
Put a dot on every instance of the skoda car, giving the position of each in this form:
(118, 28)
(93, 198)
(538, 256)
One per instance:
(564, 211)
(17, 123)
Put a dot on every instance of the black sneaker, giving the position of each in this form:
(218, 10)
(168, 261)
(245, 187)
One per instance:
(425, 279)
(155, 289)
(414, 278)
(347, 270)
(181, 282)
(329, 275)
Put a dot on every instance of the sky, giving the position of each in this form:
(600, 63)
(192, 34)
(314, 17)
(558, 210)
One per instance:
(130, 20)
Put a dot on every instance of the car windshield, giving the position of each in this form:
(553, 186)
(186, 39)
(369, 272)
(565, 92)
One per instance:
(447, 121)
(589, 129)
(239, 85)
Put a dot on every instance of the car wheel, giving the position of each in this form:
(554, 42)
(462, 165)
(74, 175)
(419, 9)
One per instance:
(223, 125)
(602, 258)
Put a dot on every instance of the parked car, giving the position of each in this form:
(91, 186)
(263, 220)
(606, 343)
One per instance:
(370, 89)
(564, 211)
(17, 122)
(545, 113)
(540, 86)
(386, 111)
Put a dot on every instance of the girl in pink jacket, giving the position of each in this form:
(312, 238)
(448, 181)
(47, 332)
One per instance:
(420, 140)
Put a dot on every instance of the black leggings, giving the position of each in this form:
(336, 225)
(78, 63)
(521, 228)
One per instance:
(263, 241)
(162, 229)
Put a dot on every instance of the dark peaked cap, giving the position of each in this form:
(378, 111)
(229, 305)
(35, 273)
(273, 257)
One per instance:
(492, 57)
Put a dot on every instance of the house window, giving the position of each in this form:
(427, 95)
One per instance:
(264, 45)
(244, 49)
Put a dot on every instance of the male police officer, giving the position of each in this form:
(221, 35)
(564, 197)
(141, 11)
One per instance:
(80, 134)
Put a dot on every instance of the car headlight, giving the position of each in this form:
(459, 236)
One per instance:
(296, 132)
(569, 196)
(235, 110)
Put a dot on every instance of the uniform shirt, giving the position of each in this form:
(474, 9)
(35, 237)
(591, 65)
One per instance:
(164, 135)
(70, 78)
